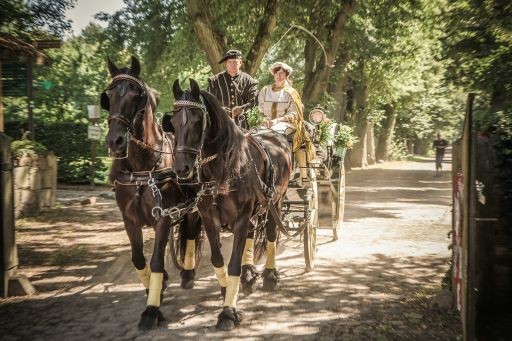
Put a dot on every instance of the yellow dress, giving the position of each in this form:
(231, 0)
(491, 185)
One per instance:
(286, 103)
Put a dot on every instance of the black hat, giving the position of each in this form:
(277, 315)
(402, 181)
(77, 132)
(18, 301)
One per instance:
(230, 55)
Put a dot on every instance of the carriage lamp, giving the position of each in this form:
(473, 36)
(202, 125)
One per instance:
(317, 115)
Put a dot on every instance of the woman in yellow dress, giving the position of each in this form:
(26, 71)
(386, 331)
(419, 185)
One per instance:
(281, 103)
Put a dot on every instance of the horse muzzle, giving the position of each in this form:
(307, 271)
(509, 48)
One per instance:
(185, 172)
(117, 144)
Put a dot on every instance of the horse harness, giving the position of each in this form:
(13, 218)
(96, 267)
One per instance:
(155, 176)
(183, 105)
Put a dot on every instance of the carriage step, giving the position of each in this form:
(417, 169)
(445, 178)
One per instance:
(295, 202)
(294, 185)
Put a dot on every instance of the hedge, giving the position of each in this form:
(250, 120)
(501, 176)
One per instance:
(68, 141)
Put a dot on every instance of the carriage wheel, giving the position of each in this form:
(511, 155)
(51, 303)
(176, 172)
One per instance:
(337, 182)
(173, 248)
(311, 223)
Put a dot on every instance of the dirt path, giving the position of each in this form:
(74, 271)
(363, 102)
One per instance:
(379, 281)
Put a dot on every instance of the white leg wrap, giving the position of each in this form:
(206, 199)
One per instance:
(190, 255)
(222, 275)
(232, 291)
(144, 276)
(155, 288)
(271, 255)
(248, 255)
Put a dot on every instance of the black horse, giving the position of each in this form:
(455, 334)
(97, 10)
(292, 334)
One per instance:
(248, 174)
(143, 179)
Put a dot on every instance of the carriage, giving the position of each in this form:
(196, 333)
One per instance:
(193, 178)
(300, 214)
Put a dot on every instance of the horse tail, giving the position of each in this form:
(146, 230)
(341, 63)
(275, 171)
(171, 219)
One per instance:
(182, 242)
(200, 237)
(260, 239)
(190, 228)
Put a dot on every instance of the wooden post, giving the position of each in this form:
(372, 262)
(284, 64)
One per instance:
(2, 128)
(468, 170)
(93, 161)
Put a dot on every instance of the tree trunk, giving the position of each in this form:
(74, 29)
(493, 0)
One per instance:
(386, 133)
(358, 156)
(420, 146)
(338, 90)
(359, 152)
(370, 144)
(410, 146)
(315, 83)
(261, 42)
(213, 42)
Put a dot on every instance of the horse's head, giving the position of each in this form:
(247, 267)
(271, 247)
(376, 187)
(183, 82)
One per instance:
(125, 99)
(188, 123)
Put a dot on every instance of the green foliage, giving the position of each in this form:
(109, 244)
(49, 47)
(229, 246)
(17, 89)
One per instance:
(74, 162)
(254, 117)
(324, 133)
(78, 75)
(68, 141)
(479, 45)
(29, 147)
(499, 124)
(140, 28)
(344, 137)
(398, 150)
(35, 18)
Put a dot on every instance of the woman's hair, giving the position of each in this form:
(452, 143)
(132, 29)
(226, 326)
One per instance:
(277, 68)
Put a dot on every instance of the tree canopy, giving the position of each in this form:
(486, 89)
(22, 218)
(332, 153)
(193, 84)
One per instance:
(395, 70)
(35, 18)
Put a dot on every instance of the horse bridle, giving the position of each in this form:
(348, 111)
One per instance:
(130, 125)
(183, 105)
(119, 116)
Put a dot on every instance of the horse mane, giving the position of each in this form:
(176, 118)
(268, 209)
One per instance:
(149, 116)
(226, 138)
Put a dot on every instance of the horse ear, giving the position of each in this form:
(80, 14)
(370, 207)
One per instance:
(194, 88)
(135, 66)
(104, 101)
(112, 68)
(176, 89)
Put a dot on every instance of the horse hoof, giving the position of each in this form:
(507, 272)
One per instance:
(228, 319)
(187, 278)
(270, 279)
(150, 318)
(249, 279)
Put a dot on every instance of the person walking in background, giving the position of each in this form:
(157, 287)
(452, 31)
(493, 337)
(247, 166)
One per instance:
(236, 90)
(440, 146)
